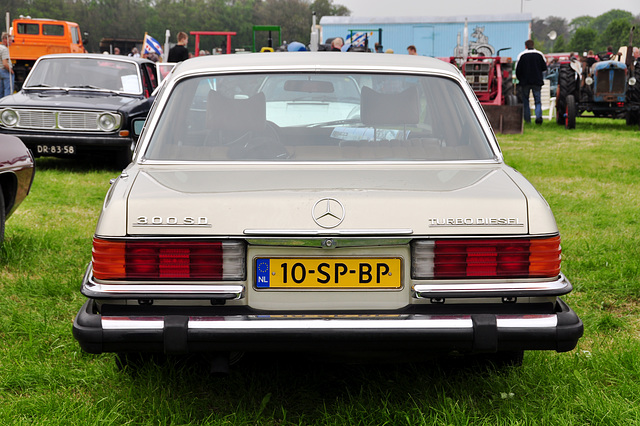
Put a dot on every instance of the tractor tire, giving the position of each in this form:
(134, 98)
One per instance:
(633, 98)
(567, 86)
(570, 122)
(511, 99)
(507, 82)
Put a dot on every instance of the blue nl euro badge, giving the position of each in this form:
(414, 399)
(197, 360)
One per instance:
(262, 273)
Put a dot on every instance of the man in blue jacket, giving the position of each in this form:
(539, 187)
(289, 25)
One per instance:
(531, 65)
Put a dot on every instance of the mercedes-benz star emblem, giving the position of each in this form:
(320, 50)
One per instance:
(328, 212)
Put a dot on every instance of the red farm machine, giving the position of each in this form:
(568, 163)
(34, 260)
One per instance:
(491, 78)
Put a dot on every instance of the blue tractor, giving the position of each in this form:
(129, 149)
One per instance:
(609, 88)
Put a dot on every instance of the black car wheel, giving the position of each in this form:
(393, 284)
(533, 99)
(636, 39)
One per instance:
(123, 157)
(2, 216)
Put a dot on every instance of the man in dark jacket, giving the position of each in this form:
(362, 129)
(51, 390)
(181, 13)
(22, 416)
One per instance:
(531, 65)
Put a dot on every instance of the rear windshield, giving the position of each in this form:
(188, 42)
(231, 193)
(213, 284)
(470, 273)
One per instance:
(318, 117)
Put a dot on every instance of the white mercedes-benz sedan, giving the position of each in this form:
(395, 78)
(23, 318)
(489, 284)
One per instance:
(323, 202)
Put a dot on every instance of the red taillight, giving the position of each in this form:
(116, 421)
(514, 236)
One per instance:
(167, 260)
(492, 258)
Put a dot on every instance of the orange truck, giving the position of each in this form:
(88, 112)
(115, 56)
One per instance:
(33, 38)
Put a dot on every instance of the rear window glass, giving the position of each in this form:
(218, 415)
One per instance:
(318, 117)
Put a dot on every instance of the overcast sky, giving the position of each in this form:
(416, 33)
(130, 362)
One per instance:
(568, 9)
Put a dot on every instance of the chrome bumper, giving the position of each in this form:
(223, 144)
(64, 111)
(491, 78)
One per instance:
(482, 332)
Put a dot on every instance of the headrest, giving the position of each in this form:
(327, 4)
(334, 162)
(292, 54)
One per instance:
(236, 114)
(393, 109)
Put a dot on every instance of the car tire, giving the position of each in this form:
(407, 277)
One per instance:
(570, 122)
(132, 362)
(499, 360)
(507, 359)
(123, 157)
(2, 216)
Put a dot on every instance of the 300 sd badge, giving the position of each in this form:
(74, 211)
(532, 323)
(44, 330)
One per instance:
(172, 221)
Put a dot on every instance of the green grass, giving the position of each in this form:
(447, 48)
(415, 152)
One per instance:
(589, 176)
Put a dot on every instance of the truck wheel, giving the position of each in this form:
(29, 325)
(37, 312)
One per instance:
(570, 122)
(512, 100)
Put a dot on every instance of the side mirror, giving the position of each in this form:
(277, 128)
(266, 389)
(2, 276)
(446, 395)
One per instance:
(137, 125)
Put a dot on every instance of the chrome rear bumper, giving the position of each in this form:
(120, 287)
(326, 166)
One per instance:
(474, 333)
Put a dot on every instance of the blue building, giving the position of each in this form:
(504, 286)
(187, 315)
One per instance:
(437, 36)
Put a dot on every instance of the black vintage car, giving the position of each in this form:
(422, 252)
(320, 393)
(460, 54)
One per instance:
(75, 104)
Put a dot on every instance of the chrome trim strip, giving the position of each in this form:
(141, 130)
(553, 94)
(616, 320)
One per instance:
(96, 290)
(556, 287)
(322, 242)
(338, 322)
(527, 321)
(166, 289)
(327, 232)
(125, 323)
(331, 324)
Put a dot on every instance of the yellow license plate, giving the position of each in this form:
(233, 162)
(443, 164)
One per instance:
(328, 273)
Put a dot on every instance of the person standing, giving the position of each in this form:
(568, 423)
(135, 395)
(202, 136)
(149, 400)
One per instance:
(179, 52)
(411, 50)
(531, 65)
(6, 72)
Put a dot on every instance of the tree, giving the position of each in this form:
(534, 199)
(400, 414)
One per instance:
(601, 22)
(541, 29)
(583, 40)
(293, 16)
(581, 22)
(560, 45)
(616, 34)
(327, 8)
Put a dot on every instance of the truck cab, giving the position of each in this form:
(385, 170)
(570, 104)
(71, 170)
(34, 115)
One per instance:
(33, 38)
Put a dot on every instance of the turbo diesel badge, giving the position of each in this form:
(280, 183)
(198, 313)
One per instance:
(478, 221)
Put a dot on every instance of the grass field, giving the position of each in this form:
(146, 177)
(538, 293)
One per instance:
(590, 176)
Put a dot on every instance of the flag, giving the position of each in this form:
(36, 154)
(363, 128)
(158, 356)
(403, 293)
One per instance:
(151, 45)
(358, 38)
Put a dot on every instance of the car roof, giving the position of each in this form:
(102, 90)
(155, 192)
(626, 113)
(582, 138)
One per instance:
(97, 56)
(348, 61)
